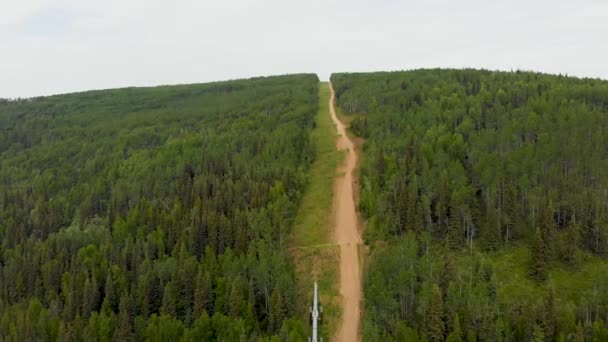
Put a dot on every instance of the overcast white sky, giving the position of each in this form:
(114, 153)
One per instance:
(58, 46)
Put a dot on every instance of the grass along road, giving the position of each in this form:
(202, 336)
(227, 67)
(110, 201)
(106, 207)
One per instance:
(312, 239)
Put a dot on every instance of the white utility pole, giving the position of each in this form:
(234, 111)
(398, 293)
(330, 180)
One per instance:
(315, 316)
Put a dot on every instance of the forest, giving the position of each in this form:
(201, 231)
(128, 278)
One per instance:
(156, 214)
(485, 196)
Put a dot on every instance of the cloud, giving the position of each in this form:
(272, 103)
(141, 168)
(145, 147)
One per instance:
(53, 22)
(61, 46)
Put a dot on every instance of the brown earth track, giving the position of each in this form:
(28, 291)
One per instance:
(347, 234)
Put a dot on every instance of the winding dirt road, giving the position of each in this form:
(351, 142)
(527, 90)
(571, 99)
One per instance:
(347, 235)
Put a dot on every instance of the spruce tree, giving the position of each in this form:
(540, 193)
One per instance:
(446, 275)
(548, 323)
(91, 297)
(235, 299)
(277, 311)
(110, 303)
(201, 292)
(126, 315)
(454, 237)
(402, 208)
(435, 327)
(443, 202)
(571, 243)
(419, 218)
(381, 168)
(538, 268)
(491, 234)
(548, 230)
(412, 201)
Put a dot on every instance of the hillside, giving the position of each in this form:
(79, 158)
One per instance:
(486, 204)
(159, 213)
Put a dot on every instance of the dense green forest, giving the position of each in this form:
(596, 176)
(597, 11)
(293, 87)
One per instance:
(154, 213)
(486, 199)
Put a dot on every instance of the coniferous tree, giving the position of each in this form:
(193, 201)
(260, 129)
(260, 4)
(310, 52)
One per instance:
(443, 204)
(548, 322)
(548, 229)
(381, 168)
(91, 297)
(454, 234)
(412, 209)
(277, 311)
(419, 217)
(572, 240)
(491, 233)
(446, 275)
(202, 294)
(110, 301)
(402, 202)
(235, 301)
(126, 316)
(538, 267)
(435, 327)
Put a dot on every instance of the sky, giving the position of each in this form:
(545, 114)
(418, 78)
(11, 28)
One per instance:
(60, 46)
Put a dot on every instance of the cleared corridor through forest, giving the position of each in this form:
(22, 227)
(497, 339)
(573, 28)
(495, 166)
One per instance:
(347, 234)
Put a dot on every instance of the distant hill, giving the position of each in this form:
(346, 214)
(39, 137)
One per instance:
(491, 191)
(153, 213)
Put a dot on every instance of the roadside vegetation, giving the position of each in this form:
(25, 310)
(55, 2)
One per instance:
(312, 239)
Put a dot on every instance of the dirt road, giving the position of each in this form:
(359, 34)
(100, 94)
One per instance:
(347, 235)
